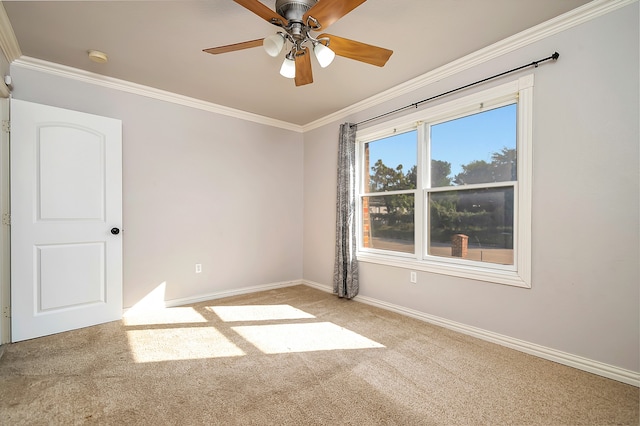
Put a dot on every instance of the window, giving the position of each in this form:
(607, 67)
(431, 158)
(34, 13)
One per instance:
(447, 189)
(389, 200)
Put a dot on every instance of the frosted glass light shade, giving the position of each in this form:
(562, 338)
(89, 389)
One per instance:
(288, 68)
(273, 44)
(323, 54)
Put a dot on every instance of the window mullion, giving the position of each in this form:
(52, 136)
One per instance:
(472, 186)
(383, 193)
(422, 174)
(360, 164)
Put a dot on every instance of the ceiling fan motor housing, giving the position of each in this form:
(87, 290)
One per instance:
(294, 10)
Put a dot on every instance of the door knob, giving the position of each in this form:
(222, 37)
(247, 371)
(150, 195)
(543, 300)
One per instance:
(115, 231)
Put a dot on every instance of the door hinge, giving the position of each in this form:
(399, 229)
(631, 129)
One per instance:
(6, 218)
(6, 126)
(6, 312)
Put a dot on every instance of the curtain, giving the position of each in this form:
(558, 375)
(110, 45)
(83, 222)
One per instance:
(345, 272)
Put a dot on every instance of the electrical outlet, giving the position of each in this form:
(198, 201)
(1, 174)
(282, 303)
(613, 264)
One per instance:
(414, 277)
(198, 268)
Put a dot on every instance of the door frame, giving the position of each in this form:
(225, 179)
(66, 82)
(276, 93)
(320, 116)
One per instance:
(5, 228)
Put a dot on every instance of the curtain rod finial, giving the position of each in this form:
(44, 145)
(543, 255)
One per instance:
(555, 56)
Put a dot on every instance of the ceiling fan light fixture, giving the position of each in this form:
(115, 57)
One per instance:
(324, 55)
(288, 68)
(273, 44)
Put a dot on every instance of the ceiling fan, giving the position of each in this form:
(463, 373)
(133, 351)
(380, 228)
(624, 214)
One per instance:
(298, 18)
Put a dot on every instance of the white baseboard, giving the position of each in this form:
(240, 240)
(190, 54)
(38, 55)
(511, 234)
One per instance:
(581, 363)
(575, 361)
(225, 293)
(318, 286)
(229, 293)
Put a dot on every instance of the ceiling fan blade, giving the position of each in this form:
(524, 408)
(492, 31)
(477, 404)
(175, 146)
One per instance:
(234, 47)
(304, 74)
(263, 11)
(326, 12)
(359, 51)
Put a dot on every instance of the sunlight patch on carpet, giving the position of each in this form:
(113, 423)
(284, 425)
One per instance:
(258, 313)
(319, 336)
(173, 344)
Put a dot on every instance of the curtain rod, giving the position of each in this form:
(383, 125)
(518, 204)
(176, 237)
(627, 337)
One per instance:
(555, 57)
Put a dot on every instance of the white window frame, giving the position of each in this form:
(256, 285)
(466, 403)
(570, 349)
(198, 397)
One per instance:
(518, 274)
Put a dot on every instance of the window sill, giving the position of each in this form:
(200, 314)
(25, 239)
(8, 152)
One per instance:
(511, 278)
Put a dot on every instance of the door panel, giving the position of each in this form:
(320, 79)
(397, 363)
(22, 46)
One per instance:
(74, 265)
(66, 195)
(71, 177)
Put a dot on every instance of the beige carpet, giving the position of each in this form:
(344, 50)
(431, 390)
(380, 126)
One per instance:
(293, 356)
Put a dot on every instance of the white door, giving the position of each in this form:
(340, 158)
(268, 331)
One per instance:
(66, 214)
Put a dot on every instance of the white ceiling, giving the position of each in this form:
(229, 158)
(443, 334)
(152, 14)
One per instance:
(159, 44)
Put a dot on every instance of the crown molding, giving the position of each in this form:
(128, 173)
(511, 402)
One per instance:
(4, 90)
(11, 50)
(150, 92)
(8, 41)
(587, 12)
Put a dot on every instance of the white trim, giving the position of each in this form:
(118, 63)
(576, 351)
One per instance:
(575, 361)
(4, 90)
(8, 40)
(587, 12)
(5, 230)
(225, 293)
(150, 92)
(523, 233)
(448, 267)
(318, 286)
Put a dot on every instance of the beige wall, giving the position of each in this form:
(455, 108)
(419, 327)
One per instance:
(585, 289)
(197, 188)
